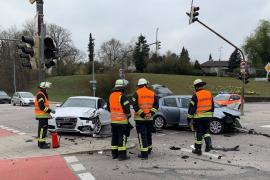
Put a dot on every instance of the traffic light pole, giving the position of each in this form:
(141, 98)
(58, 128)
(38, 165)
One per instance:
(41, 34)
(243, 56)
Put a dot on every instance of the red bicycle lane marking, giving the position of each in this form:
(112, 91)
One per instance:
(5, 133)
(35, 168)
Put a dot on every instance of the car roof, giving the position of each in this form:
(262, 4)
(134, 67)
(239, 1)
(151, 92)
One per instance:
(179, 96)
(84, 97)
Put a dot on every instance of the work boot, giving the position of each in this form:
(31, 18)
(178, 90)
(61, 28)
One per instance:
(143, 156)
(45, 146)
(149, 151)
(197, 151)
(208, 144)
(114, 154)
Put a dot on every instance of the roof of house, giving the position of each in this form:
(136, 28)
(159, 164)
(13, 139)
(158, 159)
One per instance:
(215, 64)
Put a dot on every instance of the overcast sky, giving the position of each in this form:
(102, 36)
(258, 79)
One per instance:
(126, 19)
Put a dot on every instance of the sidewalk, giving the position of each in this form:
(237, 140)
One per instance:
(18, 146)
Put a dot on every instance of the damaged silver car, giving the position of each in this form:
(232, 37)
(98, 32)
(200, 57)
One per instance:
(173, 110)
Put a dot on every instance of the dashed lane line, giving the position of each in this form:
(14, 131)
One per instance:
(77, 167)
(86, 176)
(12, 130)
(71, 159)
(265, 126)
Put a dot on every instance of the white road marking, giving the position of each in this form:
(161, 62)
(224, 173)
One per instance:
(1, 126)
(265, 126)
(86, 176)
(11, 129)
(21, 133)
(71, 159)
(4, 127)
(216, 156)
(15, 131)
(77, 167)
(161, 134)
(174, 133)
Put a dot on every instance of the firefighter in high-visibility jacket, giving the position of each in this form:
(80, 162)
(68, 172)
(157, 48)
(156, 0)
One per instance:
(119, 108)
(145, 104)
(200, 113)
(42, 113)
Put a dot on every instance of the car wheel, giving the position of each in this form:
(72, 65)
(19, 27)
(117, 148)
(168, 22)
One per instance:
(159, 122)
(13, 103)
(21, 104)
(97, 126)
(216, 126)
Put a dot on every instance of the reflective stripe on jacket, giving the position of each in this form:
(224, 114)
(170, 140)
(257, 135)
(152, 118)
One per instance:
(204, 104)
(40, 114)
(117, 113)
(145, 102)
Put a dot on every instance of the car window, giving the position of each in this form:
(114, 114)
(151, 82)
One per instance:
(171, 102)
(221, 97)
(26, 95)
(3, 93)
(235, 97)
(185, 102)
(80, 102)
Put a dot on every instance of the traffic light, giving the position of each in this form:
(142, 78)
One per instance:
(50, 52)
(194, 14)
(29, 51)
(158, 44)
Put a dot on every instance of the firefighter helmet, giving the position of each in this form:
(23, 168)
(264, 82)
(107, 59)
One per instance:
(199, 82)
(142, 81)
(45, 85)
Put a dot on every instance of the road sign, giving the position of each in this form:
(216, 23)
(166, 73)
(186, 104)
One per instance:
(267, 67)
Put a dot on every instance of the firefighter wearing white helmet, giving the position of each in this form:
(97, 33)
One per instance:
(200, 113)
(145, 104)
(119, 108)
(42, 113)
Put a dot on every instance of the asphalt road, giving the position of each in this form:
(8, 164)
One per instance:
(251, 162)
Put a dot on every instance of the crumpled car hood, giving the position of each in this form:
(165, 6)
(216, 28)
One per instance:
(74, 112)
(219, 112)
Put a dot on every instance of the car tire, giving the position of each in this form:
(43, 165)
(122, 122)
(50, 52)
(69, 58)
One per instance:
(13, 103)
(97, 126)
(159, 122)
(21, 104)
(216, 126)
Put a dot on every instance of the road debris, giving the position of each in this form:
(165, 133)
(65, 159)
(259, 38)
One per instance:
(235, 148)
(251, 131)
(174, 148)
(185, 157)
(29, 140)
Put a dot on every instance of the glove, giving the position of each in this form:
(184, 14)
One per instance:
(147, 116)
(142, 115)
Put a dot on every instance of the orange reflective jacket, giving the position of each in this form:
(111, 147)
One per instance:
(204, 103)
(117, 113)
(145, 99)
(42, 113)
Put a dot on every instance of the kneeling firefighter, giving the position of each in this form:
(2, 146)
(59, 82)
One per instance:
(200, 113)
(119, 108)
(42, 113)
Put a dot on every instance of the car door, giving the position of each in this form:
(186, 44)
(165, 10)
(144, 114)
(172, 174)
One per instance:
(171, 110)
(104, 114)
(184, 104)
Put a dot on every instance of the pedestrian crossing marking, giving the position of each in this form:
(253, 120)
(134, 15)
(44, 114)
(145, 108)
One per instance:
(265, 126)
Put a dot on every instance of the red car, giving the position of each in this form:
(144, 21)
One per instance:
(230, 100)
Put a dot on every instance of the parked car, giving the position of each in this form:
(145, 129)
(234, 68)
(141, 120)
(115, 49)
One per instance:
(230, 100)
(83, 114)
(173, 110)
(4, 98)
(23, 99)
(161, 90)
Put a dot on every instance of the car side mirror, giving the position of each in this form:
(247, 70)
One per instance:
(105, 106)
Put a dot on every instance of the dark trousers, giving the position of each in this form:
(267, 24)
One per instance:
(119, 140)
(144, 130)
(42, 131)
(201, 127)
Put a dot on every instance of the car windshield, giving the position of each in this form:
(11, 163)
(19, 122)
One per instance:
(3, 93)
(221, 97)
(26, 95)
(80, 102)
(163, 90)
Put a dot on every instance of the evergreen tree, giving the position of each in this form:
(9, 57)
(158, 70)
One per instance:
(210, 57)
(141, 54)
(197, 65)
(184, 57)
(91, 46)
(234, 61)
